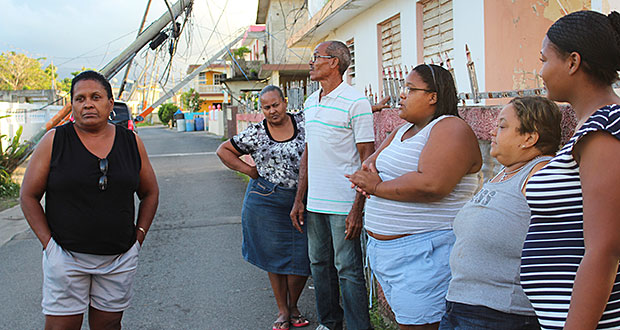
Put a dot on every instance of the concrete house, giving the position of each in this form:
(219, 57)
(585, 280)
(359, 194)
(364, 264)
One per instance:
(503, 36)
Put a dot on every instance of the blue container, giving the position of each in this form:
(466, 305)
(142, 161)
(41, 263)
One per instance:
(189, 125)
(200, 124)
(188, 116)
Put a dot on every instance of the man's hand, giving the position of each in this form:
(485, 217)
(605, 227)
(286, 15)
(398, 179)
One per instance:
(297, 215)
(353, 223)
(381, 105)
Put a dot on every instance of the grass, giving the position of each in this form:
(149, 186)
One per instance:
(377, 320)
(243, 177)
(8, 202)
(143, 123)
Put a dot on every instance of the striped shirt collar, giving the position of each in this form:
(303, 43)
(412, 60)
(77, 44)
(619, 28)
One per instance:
(335, 93)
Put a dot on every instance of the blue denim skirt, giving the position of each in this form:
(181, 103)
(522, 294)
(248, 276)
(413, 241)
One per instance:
(270, 241)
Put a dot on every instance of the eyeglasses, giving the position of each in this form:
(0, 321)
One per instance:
(405, 90)
(314, 57)
(103, 180)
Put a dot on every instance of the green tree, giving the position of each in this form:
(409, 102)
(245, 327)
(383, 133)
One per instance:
(18, 71)
(166, 112)
(65, 84)
(191, 100)
(240, 52)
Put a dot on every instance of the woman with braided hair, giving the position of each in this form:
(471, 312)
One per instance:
(569, 263)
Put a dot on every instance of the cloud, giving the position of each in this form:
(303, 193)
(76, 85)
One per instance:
(88, 29)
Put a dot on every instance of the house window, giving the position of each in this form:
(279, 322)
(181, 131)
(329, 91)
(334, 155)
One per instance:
(438, 37)
(217, 78)
(390, 42)
(202, 78)
(351, 69)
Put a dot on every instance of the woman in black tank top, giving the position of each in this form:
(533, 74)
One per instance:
(89, 172)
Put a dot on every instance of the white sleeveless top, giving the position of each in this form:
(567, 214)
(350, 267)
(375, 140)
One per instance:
(389, 217)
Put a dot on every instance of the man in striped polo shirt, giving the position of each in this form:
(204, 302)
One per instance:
(339, 136)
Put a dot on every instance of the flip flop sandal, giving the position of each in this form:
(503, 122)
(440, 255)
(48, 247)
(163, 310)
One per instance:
(299, 321)
(281, 325)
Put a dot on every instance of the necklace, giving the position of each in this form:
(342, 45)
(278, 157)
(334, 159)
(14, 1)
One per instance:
(507, 173)
(511, 172)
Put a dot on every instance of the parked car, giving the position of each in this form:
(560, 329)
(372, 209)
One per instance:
(121, 115)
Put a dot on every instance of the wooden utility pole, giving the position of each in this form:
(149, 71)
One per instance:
(124, 81)
(112, 68)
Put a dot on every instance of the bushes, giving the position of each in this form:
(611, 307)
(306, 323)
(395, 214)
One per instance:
(14, 153)
(10, 158)
(166, 112)
(8, 188)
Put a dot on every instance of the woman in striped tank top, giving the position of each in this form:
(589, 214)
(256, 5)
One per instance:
(419, 179)
(569, 263)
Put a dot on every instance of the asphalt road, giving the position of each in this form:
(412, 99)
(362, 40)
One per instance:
(191, 273)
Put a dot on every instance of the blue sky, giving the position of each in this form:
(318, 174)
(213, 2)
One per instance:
(89, 33)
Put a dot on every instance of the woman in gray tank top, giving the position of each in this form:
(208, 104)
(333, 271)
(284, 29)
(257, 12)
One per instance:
(485, 292)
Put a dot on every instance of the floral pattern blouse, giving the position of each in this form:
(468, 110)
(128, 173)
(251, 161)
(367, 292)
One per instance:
(276, 161)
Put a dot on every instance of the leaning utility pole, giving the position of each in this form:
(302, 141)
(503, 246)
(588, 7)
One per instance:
(120, 61)
(151, 32)
(124, 81)
(188, 78)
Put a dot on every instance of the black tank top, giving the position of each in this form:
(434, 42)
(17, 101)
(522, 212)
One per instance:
(83, 218)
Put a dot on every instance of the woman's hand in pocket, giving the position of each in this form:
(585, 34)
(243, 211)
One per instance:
(253, 173)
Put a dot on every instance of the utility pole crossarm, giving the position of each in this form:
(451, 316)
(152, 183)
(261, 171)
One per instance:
(149, 33)
(188, 78)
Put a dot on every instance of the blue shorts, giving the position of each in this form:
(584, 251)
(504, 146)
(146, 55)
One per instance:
(414, 273)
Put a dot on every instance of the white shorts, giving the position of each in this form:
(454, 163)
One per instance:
(72, 281)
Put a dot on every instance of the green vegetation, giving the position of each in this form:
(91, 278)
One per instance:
(377, 320)
(8, 188)
(19, 71)
(166, 112)
(243, 177)
(8, 202)
(143, 123)
(10, 158)
(240, 52)
(191, 100)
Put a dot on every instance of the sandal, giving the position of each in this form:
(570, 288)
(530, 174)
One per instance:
(281, 325)
(299, 321)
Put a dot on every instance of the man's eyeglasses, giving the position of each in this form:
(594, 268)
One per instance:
(405, 90)
(314, 57)
(103, 180)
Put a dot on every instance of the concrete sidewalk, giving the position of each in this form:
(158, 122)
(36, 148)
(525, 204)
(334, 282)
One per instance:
(12, 223)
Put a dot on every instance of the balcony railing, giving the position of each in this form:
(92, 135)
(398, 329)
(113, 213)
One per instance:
(210, 89)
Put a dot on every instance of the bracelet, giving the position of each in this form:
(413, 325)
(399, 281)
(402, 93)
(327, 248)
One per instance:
(142, 230)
